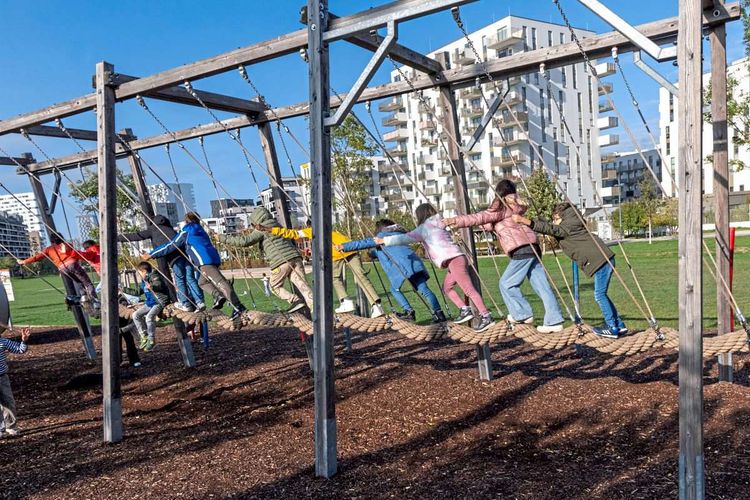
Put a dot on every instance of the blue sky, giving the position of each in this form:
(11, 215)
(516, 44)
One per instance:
(49, 51)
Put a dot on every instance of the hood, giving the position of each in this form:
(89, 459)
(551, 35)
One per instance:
(160, 220)
(263, 217)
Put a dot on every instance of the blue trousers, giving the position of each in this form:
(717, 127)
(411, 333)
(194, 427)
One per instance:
(186, 283)
(601, 285)
(420, 283)
(510, 288)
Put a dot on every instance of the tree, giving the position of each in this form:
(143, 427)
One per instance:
(86, 192)
(667, 215)
(631, 214)
(541, 194)
(649, 202)
(351, 164)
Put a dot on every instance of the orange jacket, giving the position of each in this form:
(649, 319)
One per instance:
(92, 255)
(60, 255)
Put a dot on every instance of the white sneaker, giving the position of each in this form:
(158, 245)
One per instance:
(346, 306)
(182, 307)
(377, 311)
(550, 328)
(527, 321)
(200, 306)
(12, 432)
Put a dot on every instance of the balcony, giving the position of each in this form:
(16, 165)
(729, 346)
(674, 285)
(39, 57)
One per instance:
(609, 174)
(427, 125)
(398, 151)
(609, 158)
(395, 120)
(608, 140)
(470, 93)
(505, 40)
(505, 160)
(446, 171)
(463, 57)
(390, 168)
(449, 205)
(605, 88)
(426, 160)
(606, 122)
(507, 119)
(608, 192)
(605, 107)
(510, 140)
(427, 141)
(393, 105)
(477, 184)
(431, 190)
(472, 111)
(605, 69)
(396, 135)
(513, 97)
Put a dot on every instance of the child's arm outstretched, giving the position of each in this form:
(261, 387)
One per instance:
(542, 226)
(357, 245)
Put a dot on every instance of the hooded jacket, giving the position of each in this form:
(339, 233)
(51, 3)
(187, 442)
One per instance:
(277, 250)
(159, 231)
(61, 255)
(497, 218)
(435, 238)
(399, 262)
(197, 244)
(576, 241)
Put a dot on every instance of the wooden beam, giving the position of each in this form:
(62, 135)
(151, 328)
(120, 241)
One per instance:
(111, 354)
(274, 169)
(690, 251)
(15, 160)
(718, 39)
(179, 95)
(506, 67)
(77, 133)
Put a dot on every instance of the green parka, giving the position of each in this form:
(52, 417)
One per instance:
(277, 250)
(577, 243)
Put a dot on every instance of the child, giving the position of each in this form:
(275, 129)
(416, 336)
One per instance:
(282, 256)
(157, 296)
(520, 244)
(92, 254)
(66, 259)
(340, 259)
(400, 264)
(266, 285)
(437, 241)
(205, 257)
(9, 426)
(126, 334)
(161, 232)
(590, 253)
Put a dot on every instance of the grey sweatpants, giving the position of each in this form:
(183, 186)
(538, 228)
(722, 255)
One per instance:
(213, 281)
(145, 320)
(7, 403)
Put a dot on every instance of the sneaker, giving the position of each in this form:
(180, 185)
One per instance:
(137, 364)
(237, 313)
(144, 341)
(409, 315)
(606, 332)
(200, 306)
(96, 304)
(150, 343)
(12, 432)
(485, 322)
(439, 317)
(346, 306)
(527, 321)
(464, 316)
(376, 311)
(550, 328)
(182, 307)
(219, 304)
(623, 330)
(295, 307)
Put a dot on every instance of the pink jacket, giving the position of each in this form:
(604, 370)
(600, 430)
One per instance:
(498, 218)
(435, 238)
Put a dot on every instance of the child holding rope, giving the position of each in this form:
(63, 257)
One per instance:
(520, 245)
(157, 297)
(444, 253)
(591, 254)
(400, 264)
(9, 427)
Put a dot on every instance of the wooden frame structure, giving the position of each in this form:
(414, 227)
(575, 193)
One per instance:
(323, 29)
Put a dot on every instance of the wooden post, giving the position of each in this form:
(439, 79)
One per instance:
(320, 159)
(277, 184)
(449, 121)
(718, 39)
(106, 140)
(80, 317)
(183, 342)
(690, 163)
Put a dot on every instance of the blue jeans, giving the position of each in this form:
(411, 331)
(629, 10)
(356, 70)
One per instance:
(186, 282)
(510, 289)
(601, 284)
(420, 283)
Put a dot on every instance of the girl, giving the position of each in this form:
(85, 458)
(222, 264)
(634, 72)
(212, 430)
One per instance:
(400, 264)
(520, 244)
(437, 241)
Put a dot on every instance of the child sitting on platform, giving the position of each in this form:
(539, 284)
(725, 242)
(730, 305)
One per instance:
(9, 424)
(157, 296)
(444, 253)
(591, 254)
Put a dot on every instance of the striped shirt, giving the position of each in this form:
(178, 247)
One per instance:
(7, 345)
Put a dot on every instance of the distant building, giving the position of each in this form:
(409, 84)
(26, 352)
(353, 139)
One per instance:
(182, 195)
(296, 198)
(28, 209)
(168, 210)
(622, 172)
(217, 206)
(87, 226)
(14, 237)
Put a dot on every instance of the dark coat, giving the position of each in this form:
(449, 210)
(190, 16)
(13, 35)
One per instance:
(159, 231)
(277, 250)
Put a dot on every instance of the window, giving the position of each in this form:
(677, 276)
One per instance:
(671, 107)
(536, 78)
(523, 97)
(549, 39)
(533, 38)
(564, 75)
(575, 77)
(742, 187)
(562, 38)
(541, 115)
(561, 102)
(668, 142)
(476, 157)
(525, 43)
(578, 99)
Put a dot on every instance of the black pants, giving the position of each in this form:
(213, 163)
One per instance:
(126, 335)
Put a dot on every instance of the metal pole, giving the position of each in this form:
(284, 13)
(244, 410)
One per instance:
(106, 140)
(320, 159)
(690, 162)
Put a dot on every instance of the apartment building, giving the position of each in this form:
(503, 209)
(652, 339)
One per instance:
(14, 237)
(181, 195)
(623, 172)
(28, 209)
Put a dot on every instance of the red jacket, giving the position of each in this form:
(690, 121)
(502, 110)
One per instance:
(92, 255)
(498, 218)
(61, 255)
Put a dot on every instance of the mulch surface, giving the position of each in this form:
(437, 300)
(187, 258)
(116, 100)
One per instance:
(414, 421)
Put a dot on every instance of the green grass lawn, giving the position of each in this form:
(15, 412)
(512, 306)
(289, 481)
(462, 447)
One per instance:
(656, 266)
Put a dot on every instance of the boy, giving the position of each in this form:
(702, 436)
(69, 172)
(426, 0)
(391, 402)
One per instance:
(9, 426)
(157, 296)
(591, 254)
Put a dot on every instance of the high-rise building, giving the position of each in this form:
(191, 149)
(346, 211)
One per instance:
(180, 194)
(223, 204)
(87, 225)
(623, 172)
(14, 238)
(499, 154)
(27, 208)
(739, 156)
(296, 198)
